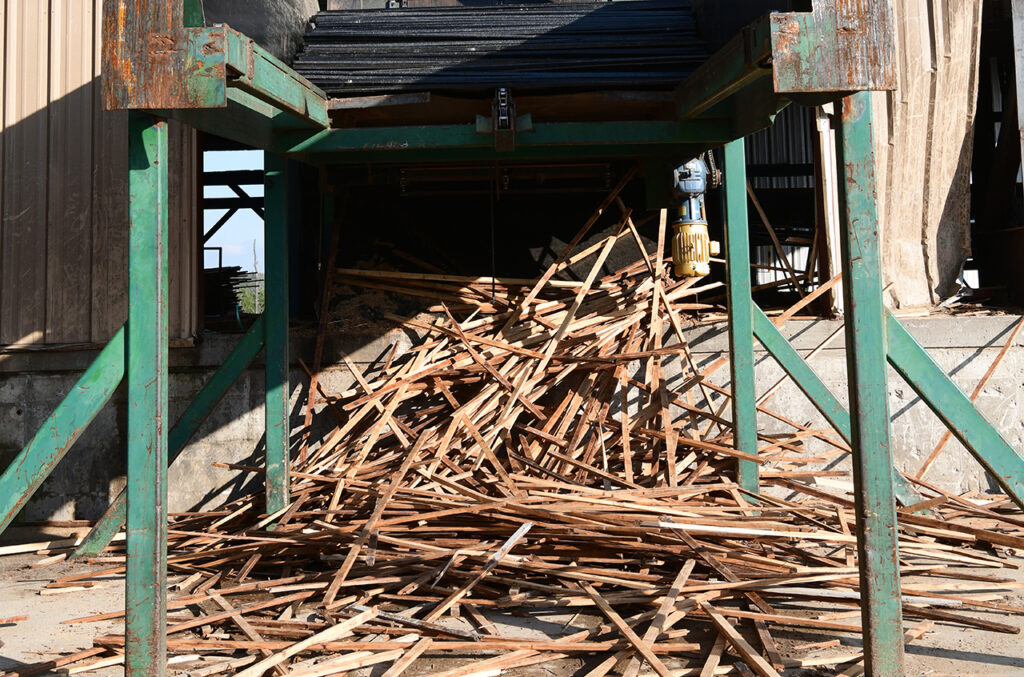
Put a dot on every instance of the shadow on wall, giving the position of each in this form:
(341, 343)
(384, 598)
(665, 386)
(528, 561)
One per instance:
(64, 222)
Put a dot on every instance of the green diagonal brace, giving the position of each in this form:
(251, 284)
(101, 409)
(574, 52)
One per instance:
(198, 411)
(64, 426)
(955, 409)
(816, 391)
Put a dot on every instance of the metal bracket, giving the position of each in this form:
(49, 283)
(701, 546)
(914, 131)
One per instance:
(504, 123)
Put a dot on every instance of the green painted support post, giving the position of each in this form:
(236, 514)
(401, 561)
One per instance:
(197, 412)
(276, 339)
(61, 430)
(146, 357)
(877, 538)
(955, 409)
(741, 326)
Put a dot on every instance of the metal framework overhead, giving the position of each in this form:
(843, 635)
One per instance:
(161, 63)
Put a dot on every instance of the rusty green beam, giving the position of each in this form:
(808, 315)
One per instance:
(836, 47)
(146, 358)
(198, 410)
(256, 71)
(277, 410)
(195, 65)
(867, 371)
(26, 473)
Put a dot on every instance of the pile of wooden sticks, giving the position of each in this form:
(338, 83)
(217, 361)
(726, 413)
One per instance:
(549, 475)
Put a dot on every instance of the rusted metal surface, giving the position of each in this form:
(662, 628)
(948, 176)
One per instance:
(151, 61)
(840, 46)
(146, 367)
(877, 542)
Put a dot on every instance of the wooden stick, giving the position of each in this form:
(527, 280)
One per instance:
(492, 562)
(775, 240)
(408, 657)
(627, 632)
(714, 657)
(749, 654)
(330, 634)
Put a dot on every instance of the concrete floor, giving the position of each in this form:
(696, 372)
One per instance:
(944, 651)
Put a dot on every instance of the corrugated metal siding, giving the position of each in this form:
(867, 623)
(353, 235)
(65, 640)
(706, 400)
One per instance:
(787, 142)
(63, 186)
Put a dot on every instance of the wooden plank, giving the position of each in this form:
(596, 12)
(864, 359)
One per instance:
(245, 627)
(407, 659)
(492, 562)
(749, 654)
(25, 180)
(645, 650)
(332, 633)
(714, 657)
(660, 620)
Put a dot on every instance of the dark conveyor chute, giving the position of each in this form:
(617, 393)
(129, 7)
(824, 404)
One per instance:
(577, 47)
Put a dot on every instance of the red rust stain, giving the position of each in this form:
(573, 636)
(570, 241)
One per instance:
(160, 43)
(120, 63)
(788, 36)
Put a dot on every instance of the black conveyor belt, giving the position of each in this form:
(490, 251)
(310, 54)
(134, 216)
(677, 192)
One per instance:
(577, 46)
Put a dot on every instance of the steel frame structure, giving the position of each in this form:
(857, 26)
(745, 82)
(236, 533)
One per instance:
(161, 63)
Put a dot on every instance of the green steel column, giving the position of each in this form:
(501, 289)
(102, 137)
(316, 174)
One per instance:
(877, 538)
(276, 339)
(741, 321)
(146, 356)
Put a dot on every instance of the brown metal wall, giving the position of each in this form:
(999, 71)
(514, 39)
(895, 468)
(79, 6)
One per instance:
(63, 186)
